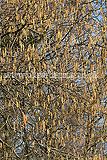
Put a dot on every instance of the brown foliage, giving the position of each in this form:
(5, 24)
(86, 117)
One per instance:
(53, 79)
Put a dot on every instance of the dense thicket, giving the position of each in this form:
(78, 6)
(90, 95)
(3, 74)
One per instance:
(45, 114)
